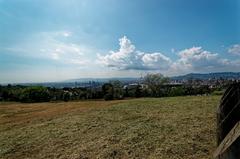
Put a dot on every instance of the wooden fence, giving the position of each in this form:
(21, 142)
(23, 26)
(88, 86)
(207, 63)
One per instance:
(228, 124)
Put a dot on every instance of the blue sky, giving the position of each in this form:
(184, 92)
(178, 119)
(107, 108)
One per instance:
(54, 40)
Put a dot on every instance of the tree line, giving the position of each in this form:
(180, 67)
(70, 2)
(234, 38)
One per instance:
(152, 85)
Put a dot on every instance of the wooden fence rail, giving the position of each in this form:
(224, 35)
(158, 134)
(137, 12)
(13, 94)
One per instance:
(228, 124)
(228, 141)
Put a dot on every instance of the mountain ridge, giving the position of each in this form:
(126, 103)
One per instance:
(204, 76)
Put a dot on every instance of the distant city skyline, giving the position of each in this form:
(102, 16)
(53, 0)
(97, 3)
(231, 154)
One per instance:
(56, 40)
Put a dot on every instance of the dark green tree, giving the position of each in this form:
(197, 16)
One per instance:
(108, 91)
(117, 89)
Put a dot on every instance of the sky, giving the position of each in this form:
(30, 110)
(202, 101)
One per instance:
(56, 40)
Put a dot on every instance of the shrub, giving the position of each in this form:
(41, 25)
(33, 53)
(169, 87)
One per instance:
(35, 94)
(218, 92)
(108, 97)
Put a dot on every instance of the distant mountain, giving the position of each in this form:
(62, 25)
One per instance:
(201, 76)
(205, 76)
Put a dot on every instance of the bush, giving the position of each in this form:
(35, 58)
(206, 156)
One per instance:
(108, 97)
(176, 91)
(221, 92)
(66, 96)
(35, 94)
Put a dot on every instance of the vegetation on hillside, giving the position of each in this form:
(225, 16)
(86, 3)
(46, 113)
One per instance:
(152, 85)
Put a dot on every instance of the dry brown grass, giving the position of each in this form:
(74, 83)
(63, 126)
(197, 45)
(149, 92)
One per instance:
(18, 112)
(165, 128)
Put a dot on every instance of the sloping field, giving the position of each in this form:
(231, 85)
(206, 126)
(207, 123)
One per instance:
(163, 128)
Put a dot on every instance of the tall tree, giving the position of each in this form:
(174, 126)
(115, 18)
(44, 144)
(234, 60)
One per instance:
(118, 89)
(155, 82)
(108, 91)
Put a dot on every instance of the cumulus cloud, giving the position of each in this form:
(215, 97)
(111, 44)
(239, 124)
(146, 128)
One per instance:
(57, 46)
(194, 59)
(234, 49)
(128, 58)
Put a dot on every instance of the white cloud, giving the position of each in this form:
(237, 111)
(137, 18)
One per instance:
(57, 34)
(235, 49)
(128, 58)
(55, 56)
(65, 51)
(67, 33)
(196, 59)
(50, 46)
(156, 61)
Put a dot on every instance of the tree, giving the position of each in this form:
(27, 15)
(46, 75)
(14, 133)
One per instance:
(108, 91)
(117, 89)
(138, 92)
(66, 96)
(154, 82)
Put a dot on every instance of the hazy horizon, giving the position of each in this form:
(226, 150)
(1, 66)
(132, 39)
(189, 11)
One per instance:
(103, 78)
(56, 40)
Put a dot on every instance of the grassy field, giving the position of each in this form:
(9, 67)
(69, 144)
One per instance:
(162, 128)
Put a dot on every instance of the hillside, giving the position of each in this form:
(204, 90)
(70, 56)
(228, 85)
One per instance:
(163, 128)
